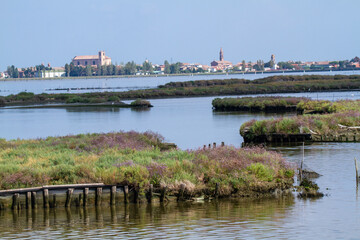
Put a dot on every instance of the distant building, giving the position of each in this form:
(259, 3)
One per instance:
(92, 60)
(221, 64)
(54, 72)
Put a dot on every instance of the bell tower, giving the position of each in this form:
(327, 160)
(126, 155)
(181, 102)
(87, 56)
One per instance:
(102, 58)
(221, 55)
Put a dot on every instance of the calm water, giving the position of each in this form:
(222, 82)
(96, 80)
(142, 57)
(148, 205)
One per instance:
(191, 123)
(120, 84)
(336, 216)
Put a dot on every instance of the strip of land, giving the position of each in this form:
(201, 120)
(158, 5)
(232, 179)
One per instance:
(142, 159)
(329, 121)
(273, 84)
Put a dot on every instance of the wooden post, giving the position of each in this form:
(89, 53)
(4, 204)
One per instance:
(162, 194)
(302, 162)
(46, 197)
(15, 202)
(216, 190)
(86, 195)
(181, 192)
(98, 196)
(28, 200)
(136, 193)
(222, 144)
(68, 197)
(357, 172)
(54, 201)
(33, 200)
(80, 199)
(214, 145)
(149, 194)
(112, 195)
(126, 194)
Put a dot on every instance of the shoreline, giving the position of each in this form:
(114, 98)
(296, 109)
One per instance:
(285, 72)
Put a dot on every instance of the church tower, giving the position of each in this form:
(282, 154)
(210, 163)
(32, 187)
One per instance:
(102, 58)
(221, 55)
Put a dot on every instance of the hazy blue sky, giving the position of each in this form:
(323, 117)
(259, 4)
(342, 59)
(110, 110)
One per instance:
(39, 31)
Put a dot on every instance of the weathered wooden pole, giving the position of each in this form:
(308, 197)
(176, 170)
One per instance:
(80, 200)
(68, 197)
(54, 201)
(216, 190)
(136, 193)
(149, 194)
(181, 192)
(302, 162)
(98, 196)
(46, 197)
(15, 202)
(28, 200)
(162, 194)
(356, 172)
(85, 195)
(126, 194)
(33, 200)
(113, 195)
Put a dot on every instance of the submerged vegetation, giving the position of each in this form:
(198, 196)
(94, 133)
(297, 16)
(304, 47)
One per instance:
(137, 159)
(273, 84)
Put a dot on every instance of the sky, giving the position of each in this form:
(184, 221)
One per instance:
(192, 31)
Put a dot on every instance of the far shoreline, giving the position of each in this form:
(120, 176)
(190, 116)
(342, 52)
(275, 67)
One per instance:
(287, 72)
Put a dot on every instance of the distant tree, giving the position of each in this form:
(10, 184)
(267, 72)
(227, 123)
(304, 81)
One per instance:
(130, 68)
(103, 70)
(67, 70)
(88, 70)
(10, 71)
(355, 59)
(243, 65)
(175, 68)
(167, 67)
(342, 64)
(110, 69)
(285, 65)
(98, 70)
(147, 66)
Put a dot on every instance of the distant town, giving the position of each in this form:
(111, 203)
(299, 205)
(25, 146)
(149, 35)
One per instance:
(101, 65)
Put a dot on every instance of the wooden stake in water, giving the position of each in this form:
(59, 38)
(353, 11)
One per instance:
(357, 173)
(302, 161)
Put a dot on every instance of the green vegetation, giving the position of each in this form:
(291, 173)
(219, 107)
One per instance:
(258, 103)
(324, 106)
(340, 115)
(274, 84)
(133, 158)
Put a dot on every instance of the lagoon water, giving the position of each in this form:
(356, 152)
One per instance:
(81, 85)
(191, 123)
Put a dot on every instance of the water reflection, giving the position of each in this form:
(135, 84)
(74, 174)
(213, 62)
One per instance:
(91, 109)
(173, 220)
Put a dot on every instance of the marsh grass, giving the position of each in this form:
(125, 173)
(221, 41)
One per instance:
(134, 158)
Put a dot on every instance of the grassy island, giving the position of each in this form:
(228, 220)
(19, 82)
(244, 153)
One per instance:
(258, 104)
(141, 159)
(273, 84)
(338, 121)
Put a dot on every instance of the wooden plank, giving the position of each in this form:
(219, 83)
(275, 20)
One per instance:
(53, 187)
